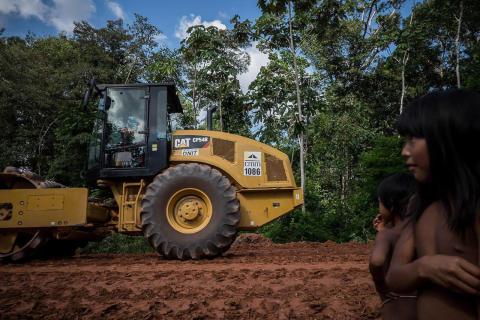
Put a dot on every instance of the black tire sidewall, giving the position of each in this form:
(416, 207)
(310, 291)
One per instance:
(202, 178)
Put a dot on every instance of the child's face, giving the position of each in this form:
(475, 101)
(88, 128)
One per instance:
(384, 212)
(415, 153)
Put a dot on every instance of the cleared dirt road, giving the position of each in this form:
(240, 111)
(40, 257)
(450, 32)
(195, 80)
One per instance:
(255, 279)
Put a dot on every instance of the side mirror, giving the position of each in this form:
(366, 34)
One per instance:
(86, 97)
(210, 112)
(108, 103)
(88, 93)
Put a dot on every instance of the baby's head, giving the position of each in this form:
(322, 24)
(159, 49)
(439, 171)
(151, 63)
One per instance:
(394, 194)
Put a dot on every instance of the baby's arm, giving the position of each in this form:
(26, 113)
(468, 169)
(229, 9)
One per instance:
(403, 274)
(383, 244)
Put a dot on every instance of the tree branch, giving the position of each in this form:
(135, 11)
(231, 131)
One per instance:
(457, 44)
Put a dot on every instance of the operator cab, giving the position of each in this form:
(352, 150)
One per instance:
(132, 133)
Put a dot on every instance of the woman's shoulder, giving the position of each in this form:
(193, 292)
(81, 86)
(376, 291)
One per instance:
(434, 208)
(433, 214)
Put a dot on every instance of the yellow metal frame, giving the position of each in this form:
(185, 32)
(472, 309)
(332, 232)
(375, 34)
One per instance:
(35, 208)
(258, 207)
(235, 169)
(129, 215)
(261, 200)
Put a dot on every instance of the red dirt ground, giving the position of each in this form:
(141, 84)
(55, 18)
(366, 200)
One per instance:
(255, 279)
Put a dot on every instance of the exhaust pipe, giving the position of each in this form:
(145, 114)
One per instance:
(210, 112)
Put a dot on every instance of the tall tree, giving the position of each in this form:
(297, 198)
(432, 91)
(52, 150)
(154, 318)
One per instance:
(140, 48)
(214, 58)
(166, 65)
(273, 97)
(280, 12)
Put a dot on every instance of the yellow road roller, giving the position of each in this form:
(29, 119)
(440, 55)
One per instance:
(188, 192)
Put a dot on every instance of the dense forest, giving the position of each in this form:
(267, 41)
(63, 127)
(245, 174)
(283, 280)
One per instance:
(339, 74)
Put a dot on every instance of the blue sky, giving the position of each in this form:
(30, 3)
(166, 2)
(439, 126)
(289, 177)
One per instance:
(49, 17)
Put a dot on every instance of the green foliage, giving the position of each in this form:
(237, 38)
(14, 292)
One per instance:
(381, 160)
(273, 97)
(119, 243)
(356, 50)
(374, 165)
(298, 226)
(353, 58)
(166, 65)
(213, 59)
(324, 220)
(313, 226)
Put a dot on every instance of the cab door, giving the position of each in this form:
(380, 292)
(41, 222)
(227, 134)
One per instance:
(126, 128)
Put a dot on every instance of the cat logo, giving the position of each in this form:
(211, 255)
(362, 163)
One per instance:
(182, 143)
(190, 142)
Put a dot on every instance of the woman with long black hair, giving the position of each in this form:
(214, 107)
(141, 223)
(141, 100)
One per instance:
(437, 254)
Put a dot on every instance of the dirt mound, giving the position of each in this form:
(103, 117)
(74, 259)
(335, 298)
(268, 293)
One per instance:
(255, 279)
(252, 239)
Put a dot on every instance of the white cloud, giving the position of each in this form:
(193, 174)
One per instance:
(7, 6)
(116, 9)
(161, 39)
(59, 13)
(25, 8)
(65, 12)
(258, 59)
(192, 20)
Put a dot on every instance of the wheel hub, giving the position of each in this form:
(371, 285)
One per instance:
(189, 210)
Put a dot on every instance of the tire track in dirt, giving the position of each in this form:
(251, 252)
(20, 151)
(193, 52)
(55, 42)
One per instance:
(254, 280)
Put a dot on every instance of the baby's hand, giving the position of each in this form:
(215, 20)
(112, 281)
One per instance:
(378, 223)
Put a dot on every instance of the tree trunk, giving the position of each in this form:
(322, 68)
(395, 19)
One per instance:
(404, 64)
(406, 55)
(221, 112)
(132, 65)
(194, 98)
(299, 103)
(40, 144)
(457, 44)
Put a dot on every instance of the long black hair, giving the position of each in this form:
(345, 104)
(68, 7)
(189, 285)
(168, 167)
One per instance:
(450, 123)
(395, 192)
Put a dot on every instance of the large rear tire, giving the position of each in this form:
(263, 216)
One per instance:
(190, 211)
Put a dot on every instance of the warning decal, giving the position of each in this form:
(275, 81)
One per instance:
(252, 163)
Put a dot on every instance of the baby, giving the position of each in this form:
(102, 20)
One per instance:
(394, 194)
